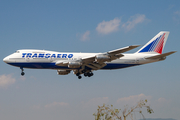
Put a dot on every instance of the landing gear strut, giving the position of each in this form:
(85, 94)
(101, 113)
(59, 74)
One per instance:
(22, 71)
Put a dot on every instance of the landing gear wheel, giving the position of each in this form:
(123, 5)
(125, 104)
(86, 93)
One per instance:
(79, 77)
(92, 74)
(77, 74)
(22, 73)
(85, 74)
(89, 74)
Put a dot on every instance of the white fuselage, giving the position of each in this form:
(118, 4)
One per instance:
(43, 59)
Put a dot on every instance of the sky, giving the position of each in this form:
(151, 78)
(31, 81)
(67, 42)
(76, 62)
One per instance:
(87, 26)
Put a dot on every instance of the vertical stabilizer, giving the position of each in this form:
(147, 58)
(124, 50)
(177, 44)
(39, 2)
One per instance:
(156, 44)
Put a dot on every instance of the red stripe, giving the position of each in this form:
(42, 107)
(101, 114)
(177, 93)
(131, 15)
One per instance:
(159, 50)
(159, 47)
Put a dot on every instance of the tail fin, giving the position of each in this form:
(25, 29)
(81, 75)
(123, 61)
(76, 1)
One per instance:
(156, 44)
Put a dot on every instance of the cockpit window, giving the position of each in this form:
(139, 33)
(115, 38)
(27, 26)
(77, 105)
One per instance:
(17, 51)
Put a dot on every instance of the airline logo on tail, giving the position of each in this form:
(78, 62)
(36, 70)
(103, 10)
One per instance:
(156, 45)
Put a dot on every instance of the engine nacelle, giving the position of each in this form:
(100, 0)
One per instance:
(63, 72)
(102, 58)
(74, 64)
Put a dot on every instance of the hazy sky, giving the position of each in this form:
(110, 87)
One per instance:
(87, 26)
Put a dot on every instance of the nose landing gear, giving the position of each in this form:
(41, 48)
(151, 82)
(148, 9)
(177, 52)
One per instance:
(22, 71)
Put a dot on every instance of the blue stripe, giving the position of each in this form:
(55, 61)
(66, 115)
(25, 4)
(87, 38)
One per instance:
(151, 46)
(146, 49)
(38, 65)
(118, 66)
(156, 42)
(53, 66)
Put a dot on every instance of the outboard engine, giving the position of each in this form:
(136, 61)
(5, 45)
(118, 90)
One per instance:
(102, 58)
(63, 72)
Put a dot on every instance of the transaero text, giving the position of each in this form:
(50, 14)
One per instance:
(47, 55)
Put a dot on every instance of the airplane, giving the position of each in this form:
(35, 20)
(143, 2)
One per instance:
(86, 63)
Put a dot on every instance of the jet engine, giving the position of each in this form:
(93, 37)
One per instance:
(74, 64)
(63, 72)
(102, 58)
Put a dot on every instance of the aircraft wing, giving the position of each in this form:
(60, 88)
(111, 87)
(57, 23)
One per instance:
(89, 59)
(122, 50)
(98, 61)
(161, 55)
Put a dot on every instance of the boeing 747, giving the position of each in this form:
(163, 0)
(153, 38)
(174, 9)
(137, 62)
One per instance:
(86, 63)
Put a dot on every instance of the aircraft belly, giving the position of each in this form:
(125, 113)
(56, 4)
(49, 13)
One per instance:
(118, 65)
(38, 65)
(121, 63)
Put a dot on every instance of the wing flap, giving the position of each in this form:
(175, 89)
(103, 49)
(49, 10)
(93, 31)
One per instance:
(89, 59)
(96, 66)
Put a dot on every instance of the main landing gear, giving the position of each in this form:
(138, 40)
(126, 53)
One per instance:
(86, 74)
(22, 71)
(89, 74)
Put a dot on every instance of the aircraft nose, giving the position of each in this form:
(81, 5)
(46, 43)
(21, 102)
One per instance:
(6, 59)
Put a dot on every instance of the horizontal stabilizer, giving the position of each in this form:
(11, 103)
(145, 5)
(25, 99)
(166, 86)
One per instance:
(161, 55)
